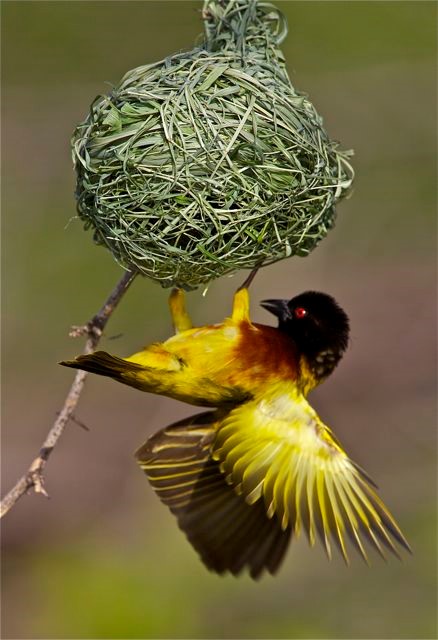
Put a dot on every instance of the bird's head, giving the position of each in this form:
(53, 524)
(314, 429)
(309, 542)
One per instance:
(317, 325)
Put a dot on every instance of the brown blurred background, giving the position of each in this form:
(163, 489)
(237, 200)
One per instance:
(103, 558)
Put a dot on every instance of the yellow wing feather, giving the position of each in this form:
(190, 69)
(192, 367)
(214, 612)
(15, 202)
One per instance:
(275, 447)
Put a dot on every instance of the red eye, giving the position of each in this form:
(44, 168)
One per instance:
(300, 312)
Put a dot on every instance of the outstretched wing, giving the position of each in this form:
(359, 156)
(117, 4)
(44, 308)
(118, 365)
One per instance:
(275, 450)
(228, 533)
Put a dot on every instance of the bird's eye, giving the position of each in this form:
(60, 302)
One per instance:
(300, 312)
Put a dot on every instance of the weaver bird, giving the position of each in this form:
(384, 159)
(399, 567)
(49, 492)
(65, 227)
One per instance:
(245, 478)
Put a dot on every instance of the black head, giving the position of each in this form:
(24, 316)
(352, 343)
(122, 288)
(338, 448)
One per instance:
(317, 324)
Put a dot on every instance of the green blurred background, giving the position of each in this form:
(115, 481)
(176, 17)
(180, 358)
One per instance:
(103, 558)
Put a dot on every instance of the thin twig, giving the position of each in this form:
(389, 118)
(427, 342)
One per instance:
(34, 478)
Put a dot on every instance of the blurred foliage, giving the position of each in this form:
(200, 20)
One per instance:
(103, 559)
(123, 589)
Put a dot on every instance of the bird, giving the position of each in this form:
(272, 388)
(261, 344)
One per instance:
(223, 363)
(246, 477)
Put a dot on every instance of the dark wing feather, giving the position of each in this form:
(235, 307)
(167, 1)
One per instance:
(229, 534)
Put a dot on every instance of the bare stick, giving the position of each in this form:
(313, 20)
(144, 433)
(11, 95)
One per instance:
(33, 478)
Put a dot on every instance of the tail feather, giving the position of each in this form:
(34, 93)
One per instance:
(228, 534)
(104, 364)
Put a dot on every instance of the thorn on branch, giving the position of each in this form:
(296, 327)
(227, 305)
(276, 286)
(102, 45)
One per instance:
(76, 421)
(79, 423)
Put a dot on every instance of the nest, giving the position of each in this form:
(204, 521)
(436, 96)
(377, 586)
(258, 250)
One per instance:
(209, 161)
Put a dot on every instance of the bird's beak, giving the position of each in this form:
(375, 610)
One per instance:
(279, 308)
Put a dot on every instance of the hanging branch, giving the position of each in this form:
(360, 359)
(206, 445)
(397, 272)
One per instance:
(33, 478)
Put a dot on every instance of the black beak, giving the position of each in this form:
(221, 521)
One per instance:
(279, 308)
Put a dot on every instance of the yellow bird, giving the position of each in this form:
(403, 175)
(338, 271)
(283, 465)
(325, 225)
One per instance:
(245, 478)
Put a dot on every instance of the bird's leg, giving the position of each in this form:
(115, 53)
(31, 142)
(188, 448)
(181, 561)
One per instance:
(177, 304)
(249, 279)
(240, 311)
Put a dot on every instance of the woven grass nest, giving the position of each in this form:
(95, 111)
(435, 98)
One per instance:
(209, 161)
